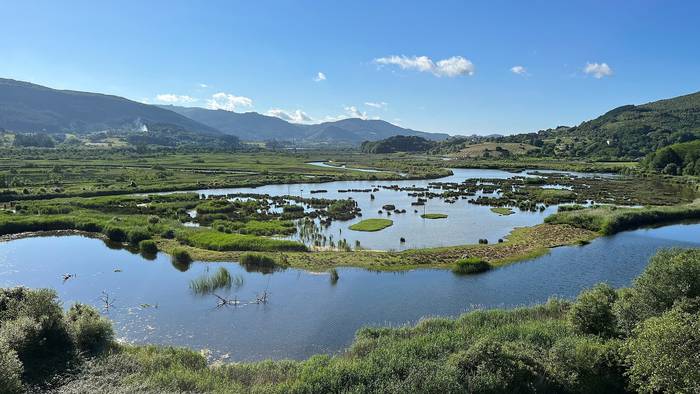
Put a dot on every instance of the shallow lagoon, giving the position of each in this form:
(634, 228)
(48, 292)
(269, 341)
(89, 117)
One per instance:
(466, 223)
(307, 314)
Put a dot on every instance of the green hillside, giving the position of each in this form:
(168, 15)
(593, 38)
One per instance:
(629, 132)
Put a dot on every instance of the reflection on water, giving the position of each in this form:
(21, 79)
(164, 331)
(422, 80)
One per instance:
(306, 313)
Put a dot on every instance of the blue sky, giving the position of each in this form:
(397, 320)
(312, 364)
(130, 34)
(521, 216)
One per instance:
(265, 56)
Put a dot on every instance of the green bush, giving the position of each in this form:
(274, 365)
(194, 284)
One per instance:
(148, 246)
(470, 265)
(90, 331)
(10, 371)
(32, 326)
(592, 313)
(137, 235)
(258, 262)
(181, 255)
(670, 276)
(663, 355)
(116, 234)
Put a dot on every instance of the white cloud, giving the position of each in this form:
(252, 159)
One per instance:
(175, 99)
(520, 70)
(297, 116)
(450, 67)
(320, 77)
(228, 102)
(353, 112)
(598, 70)
(379, 105)
(202, 85)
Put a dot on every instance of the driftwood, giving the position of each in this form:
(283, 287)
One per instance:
(66, 277)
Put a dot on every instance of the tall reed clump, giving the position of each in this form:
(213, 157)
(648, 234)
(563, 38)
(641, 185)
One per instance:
(470, 265)
(334, 275)
(221, 279)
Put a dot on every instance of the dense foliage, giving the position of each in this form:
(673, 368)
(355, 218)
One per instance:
(676, 159)
(39, 340)
(398, 143)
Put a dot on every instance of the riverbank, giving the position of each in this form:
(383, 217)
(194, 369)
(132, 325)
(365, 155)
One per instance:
(606, 340)
(522, 243)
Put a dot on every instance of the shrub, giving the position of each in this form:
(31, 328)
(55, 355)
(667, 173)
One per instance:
(153, 219)
(148, 246)
(10, 371)
(168, 234)
(137, 235)
(90, 331)
(256, 259)
(592, 312)
(671, 275)
(491, 366)
(470, 265)
(32, 326)
(663, 353)
(181, 255)
(116, 234)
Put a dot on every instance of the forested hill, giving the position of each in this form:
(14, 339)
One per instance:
(629, 132)
(633, 131)
(399, 143)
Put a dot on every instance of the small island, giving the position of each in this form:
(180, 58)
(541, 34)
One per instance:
(433, 216)
(372, 225)
(502, 211)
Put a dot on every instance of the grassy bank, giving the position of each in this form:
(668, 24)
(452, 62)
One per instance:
(522, 243)
(372, 225)
(640, 339)
(433, 216)
(610, 220)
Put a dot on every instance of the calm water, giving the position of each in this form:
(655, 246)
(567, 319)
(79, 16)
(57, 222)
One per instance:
(306, 314)
(466, 223)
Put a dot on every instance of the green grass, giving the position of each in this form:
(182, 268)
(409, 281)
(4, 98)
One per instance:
(209, 283)
(502, 211)
(434, 216)
(610, 220)
(214, 240)
(470, 265)
(372, 225)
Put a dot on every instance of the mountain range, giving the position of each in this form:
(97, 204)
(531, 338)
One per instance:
(255, 127)
(27, 107)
